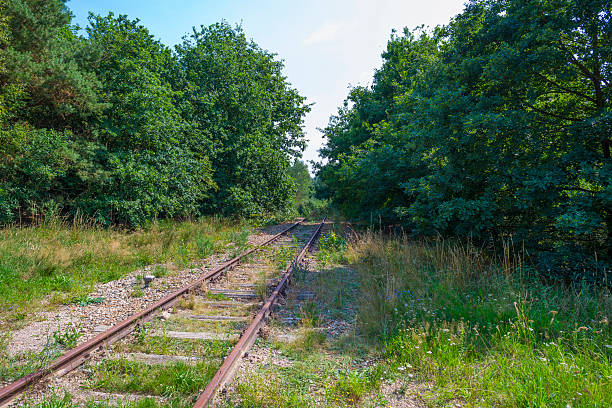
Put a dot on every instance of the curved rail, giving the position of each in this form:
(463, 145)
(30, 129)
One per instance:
(250, 335)
(76, 356)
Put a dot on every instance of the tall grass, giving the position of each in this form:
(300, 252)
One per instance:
(61, 261)
(484, 330)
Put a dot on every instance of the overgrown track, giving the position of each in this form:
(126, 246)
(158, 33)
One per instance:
(81, 353)
(250, 334)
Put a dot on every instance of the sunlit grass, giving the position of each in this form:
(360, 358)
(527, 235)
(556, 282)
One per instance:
(62, 262)
(174, 380)
(486, 331)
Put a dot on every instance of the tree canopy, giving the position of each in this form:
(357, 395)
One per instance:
(115, 125)
(494, 127)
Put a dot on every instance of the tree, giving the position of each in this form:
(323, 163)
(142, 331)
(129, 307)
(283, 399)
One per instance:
(303, 182)
(144, 164)
(117, 126)
(238, 96)
(494, 126)
(42, 72)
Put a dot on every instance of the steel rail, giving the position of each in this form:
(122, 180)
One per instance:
(249, 336)
(76, 356)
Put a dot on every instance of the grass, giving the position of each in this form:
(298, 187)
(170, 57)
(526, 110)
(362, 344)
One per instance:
(446, 324)
(445, 320)
(181, 347)
(485, 331)
(66, 401)
(305, 380)
(14, 367)
(331, 249)
(170, 381)
(56, 262)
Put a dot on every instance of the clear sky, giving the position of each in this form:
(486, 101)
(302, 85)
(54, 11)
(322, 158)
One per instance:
(327, 46)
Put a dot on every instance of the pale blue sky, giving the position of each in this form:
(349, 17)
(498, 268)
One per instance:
(326, 45)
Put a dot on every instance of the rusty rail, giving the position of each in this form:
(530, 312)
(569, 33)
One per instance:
(75, 357)
(250, 335)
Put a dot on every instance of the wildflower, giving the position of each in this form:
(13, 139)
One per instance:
(429, 352)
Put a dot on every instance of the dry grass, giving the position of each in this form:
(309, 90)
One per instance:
(57, 262)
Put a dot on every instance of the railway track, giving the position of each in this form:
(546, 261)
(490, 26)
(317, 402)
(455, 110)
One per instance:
(200, 331)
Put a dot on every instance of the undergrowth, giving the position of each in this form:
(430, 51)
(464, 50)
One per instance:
(484, 330)
(331, 249)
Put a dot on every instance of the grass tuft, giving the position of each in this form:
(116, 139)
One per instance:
(170, 381)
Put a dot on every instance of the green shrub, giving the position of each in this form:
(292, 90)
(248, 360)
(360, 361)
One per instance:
(332, 249)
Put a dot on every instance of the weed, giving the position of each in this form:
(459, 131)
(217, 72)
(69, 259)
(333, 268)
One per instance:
(216, 296)
(87, 300)
(261, 286)
(449, 313)
(161, 344)
(66, 260)
(137, 293)
(14, 367)
(353, 385)
(159, 271)
(18, 316)
(282, 256)
(187, 301)
(205, 246)
(69, 337)
(332, 249)
(54, 401)
(309, 314)
(173, 380)
(240, 239)
(183, 255)
(308, 340)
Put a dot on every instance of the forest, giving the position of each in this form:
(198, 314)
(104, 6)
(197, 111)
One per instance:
(493, 128)
(107, 123)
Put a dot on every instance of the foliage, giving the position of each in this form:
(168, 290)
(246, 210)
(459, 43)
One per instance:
(69, 337)
(483, 330)
(495, 126)
(117, 126)
(172, 380)
(331, 249)
(304, 202)
(238, 95)
(303, 182)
